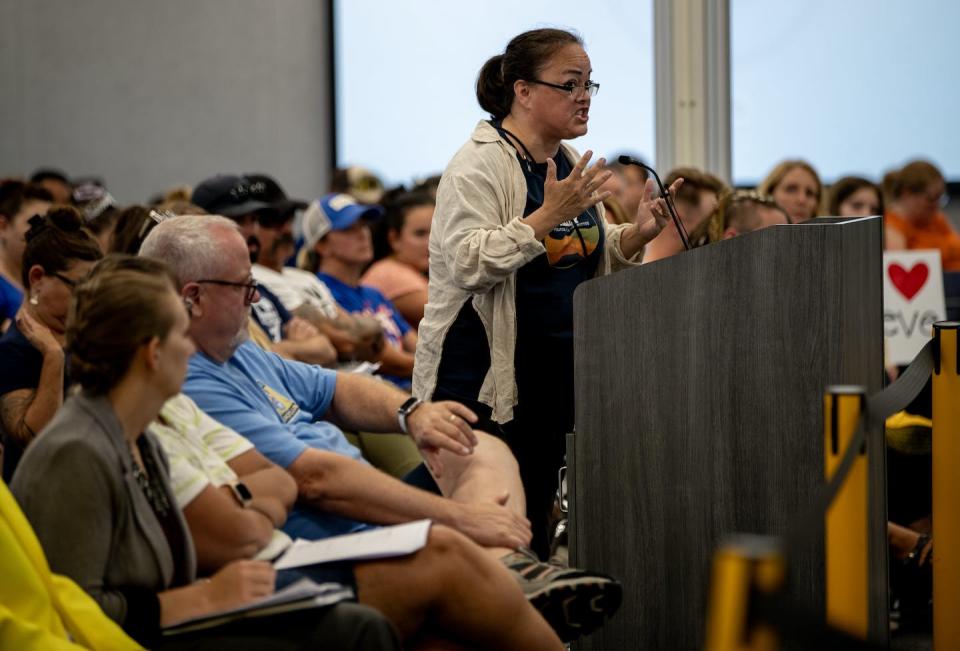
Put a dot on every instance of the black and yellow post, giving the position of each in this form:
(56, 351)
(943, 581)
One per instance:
(847, 554)
(946, 487)
(743, 566)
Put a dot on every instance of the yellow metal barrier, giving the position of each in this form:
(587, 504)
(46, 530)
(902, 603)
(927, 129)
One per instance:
(847, 579)
(740, 567)
(946, 489)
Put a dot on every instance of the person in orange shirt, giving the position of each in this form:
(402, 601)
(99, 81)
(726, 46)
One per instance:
(915, 220)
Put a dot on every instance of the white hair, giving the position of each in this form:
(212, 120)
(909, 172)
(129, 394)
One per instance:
(188, 245)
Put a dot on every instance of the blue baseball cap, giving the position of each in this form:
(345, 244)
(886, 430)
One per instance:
(335, 212)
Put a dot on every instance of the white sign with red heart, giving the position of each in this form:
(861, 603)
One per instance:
(912, 302)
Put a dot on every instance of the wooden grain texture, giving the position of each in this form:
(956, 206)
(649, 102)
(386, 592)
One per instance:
(699, 414)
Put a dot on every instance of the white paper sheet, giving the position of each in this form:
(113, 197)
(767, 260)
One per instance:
(384, 542)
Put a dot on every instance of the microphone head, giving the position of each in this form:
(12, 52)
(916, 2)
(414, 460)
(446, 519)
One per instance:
(626, 160)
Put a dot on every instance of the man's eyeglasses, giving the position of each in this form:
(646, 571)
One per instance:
(251, 287)
(574, 90)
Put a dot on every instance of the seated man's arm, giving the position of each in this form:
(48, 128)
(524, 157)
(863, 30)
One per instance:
(394, 361)
(223, 530)
(337, 484)
(370, 405)
(266, 481)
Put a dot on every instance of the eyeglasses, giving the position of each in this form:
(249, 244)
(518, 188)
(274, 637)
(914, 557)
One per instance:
(940, 198)
(69, 282)
(574, 90)
(251, 287)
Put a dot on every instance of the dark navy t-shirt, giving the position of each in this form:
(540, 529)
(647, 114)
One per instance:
(10, 299)
(544, 301)
(20, 366)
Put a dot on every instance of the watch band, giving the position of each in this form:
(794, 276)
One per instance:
(405, 410)
(242, 493)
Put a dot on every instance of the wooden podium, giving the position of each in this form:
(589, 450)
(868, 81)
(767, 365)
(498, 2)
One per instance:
(699, 389)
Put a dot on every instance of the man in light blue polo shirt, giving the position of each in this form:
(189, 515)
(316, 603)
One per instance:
(285, 409)
(248, 394)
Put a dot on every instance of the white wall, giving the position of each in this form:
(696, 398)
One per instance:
(152, 94)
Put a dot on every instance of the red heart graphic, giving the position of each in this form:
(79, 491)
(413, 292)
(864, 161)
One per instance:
(910, 282)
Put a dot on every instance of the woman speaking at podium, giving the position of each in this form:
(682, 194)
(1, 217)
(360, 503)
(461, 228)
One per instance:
(518, 226)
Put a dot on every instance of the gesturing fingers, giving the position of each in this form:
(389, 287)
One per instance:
(551, 172)
(648, 190)
(581, 165)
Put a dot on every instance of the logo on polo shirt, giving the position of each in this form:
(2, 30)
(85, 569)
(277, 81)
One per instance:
(286, 409)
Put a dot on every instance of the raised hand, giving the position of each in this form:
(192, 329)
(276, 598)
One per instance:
(37, 334)
(652, 213)
(564, 200)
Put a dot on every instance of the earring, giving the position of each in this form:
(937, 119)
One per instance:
(33, 300)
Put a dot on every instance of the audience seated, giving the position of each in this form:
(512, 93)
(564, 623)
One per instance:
(632, 189)
(359, 182)
(401, 253)
(19, 202)
(796, 187)
(58, 255)
(916, 195)
(613, 209)
(133, 224)
(343, 251)
(694, 200)
(99, 210)
(854, 196)
(248, 200)
(737, 213)
(95, 486)
(277, 406)
(55, 182)
(40, 610)
(300, 293)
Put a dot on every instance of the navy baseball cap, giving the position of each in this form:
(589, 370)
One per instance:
(228, 195)
(265, 188)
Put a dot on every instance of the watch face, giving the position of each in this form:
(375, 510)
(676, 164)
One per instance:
(408, 405)
(244, 492)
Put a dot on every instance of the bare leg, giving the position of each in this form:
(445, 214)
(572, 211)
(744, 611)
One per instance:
(456, 592)
(485, 476)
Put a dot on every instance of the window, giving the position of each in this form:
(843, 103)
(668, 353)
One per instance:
(405, 75)
(854, 87)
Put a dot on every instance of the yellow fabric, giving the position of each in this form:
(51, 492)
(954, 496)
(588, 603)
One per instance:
(39, 610)
(909, 433)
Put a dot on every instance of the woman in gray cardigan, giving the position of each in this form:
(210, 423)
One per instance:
(94, 486)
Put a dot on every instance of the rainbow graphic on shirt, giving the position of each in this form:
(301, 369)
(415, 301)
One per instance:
(572, 241)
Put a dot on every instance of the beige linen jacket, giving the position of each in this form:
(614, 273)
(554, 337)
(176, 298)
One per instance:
(478, 241)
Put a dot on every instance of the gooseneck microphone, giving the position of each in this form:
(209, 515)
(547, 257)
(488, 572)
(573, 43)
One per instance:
(667, 198)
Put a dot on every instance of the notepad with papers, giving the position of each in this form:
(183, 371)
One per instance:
(297, 596)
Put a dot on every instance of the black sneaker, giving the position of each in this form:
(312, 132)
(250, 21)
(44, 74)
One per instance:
(573, 602)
